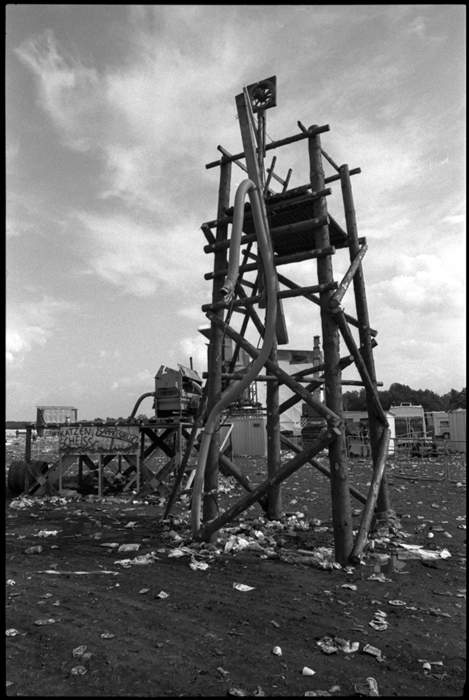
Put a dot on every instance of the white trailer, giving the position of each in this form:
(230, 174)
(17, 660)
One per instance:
(457, 429)
(409, 420)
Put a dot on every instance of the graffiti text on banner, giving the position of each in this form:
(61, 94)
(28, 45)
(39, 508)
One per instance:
(99, 440)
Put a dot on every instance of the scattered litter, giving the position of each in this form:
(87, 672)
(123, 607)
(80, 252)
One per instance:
(437, 612)
(45, 621)
(368, 649)
(274, 623)
(307, 671)
(78, 671)
(258, 693)
(79, 651)
(327, 645)
(427, 666)
(432, 663)
(379, 577)
(277, 651)
(379, 625)
(320, 557)
(430, 535)
(110, 545)
(195, 565)
(180, 552)
(368, 690)
(396, 602)
(20, 503)
(174, 536)
(352, 586)
(34, 550)
(107, 635)
(237, 692)
(132, 523)
(129, 548)
(447, 534)
(425, 553)
(13, 633)
(47, 533)
(68, 573)
(317, 693)
(242, 587)
(11, 582)
(162, 595)
(144, 590)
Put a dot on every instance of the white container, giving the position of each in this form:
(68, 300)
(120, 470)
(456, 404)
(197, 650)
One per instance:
(457, 429)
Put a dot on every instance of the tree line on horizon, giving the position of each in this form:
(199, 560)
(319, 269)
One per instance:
(356, 401)
(401, 393)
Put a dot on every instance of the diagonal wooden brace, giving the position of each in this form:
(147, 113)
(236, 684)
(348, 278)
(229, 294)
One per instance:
(325, 438)
(378, 472)
(336, 298)
(274, 369)
(360, 364)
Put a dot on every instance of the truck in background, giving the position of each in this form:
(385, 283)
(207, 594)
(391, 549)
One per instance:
(438, 425)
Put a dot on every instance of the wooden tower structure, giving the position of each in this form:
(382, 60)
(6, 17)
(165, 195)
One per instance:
(300, 228)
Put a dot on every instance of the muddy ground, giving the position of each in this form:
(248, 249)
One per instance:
(205, 637)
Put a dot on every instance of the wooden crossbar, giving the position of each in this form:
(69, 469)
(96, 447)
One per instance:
(248, 301)
(313, 131)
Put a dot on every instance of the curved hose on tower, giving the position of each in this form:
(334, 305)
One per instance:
(232, 392)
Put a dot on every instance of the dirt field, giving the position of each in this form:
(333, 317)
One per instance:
(162, 628)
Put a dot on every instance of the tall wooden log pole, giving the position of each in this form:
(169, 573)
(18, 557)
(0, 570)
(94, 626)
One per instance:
(366, 350)
(215, 354)
(340, 490)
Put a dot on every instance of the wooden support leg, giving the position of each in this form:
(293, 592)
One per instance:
(376, 425)
(340, 494)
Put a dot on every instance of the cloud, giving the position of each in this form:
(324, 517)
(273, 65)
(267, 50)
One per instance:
(68, 90)
(426, 285)
(195, 347)
(32, 323)
(134, 116)
(139, 258)
(139, 379)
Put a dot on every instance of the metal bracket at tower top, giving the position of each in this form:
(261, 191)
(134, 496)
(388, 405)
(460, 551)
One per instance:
(263, 95)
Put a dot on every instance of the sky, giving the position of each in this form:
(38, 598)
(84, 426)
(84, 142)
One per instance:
(112, 112)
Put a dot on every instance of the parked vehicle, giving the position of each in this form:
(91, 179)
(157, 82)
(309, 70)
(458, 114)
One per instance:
(438, 425)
